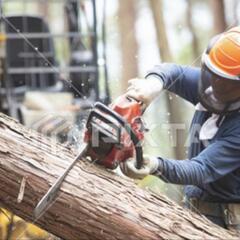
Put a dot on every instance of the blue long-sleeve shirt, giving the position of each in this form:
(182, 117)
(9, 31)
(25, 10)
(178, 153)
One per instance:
(212, 172)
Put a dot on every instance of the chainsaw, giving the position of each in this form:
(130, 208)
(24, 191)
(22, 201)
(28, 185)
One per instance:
(113, 134)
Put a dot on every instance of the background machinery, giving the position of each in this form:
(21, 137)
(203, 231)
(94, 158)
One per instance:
(30, 57)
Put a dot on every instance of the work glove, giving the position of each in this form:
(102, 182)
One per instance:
(150, 165)
(144, 90)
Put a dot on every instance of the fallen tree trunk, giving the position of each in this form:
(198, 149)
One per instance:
(93, 203)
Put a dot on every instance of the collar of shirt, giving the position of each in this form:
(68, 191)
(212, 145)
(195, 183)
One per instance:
(209, 128)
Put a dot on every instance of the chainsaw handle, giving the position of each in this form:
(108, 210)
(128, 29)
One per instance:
(141, 103)
(125, 124)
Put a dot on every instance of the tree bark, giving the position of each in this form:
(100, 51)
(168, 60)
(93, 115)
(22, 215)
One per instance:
(93, 203)
(129, 45)
(219, 18)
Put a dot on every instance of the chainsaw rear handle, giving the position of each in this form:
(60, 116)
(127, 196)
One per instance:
(125, 124)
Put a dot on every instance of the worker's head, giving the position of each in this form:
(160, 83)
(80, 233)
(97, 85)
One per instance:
(219, 87)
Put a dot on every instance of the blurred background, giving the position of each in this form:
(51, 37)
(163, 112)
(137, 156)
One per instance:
(57, 57)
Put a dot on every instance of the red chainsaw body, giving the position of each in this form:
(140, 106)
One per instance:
(108, 153)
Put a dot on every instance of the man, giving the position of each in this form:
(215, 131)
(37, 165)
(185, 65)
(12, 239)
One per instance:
(212, 171)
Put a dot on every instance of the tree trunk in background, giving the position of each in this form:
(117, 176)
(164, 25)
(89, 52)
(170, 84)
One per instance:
(235, 12)
(173, 104)
(44, 8)
(219, 18)
(190, 25)
(165, 53)
(129, 45)
(93, 203)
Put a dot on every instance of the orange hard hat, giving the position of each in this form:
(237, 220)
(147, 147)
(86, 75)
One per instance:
(224, 53)
(219, 85)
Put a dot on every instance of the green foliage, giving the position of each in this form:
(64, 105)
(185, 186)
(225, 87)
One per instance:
(157, 186)
(185, 55)
(153, 184)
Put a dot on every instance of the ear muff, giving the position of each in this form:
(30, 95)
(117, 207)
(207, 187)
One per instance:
(212, 42)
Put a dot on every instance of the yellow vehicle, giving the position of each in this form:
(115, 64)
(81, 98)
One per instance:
(13, 227)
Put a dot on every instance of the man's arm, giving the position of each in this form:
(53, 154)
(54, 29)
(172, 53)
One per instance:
(217, 160)
(181, 80)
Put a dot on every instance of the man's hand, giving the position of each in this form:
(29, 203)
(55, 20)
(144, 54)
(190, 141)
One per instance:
(150, 165)
(144, 90)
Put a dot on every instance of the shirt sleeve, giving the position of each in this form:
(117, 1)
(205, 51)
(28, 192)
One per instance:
(181, 80)
(217, 160)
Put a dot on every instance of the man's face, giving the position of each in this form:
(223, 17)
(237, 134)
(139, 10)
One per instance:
(225, 90)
